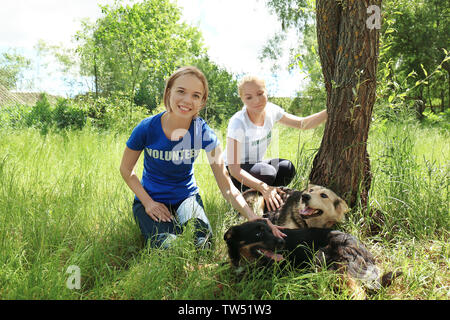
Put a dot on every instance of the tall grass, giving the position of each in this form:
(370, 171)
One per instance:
(63, 203)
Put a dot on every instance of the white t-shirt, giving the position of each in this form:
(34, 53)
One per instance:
(253, 139)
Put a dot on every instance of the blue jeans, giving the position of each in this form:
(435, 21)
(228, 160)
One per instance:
(161, 234)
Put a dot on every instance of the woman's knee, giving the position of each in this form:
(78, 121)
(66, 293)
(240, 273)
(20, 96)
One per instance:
(264, 172)
(286, 172)
(156, 234)
(288, 168)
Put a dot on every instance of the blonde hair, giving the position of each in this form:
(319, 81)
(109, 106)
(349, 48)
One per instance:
(182, 72)
(249, 79)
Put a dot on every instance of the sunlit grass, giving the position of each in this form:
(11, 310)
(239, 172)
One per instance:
(63, 202)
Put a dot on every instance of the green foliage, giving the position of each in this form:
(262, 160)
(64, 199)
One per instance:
(41, 115)
(414, 71)
(135, 45)
(292, 13)
(113, 112)
(306, 103)
(12, 64)
(223, 100)
(67, 116)
(441, 119)
(283, 102)
(14, 116)
(410, 179)
(309, 101)
(150, 92)
(414, 66)
(298, 16)
(105, 113)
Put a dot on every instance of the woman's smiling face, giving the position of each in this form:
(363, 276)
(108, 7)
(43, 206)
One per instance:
(186, 96)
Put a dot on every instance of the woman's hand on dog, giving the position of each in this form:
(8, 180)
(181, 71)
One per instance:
(276, 230)
(271, 197)
(158, 212)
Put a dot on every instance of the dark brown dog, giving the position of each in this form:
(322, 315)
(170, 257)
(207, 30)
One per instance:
(315, 206)
(254, 242)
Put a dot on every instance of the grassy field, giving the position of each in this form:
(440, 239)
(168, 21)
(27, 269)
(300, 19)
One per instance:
(63, 203)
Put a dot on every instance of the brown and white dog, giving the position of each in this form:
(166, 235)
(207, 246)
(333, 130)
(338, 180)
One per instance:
(315, 206)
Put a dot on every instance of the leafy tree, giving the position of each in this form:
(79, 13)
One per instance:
(348, 43)
(298, 16)
(414, 46)
(135, 45)
(12, 64)
(348, 51)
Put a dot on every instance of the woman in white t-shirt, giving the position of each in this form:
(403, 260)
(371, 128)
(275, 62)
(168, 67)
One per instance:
(248, 136)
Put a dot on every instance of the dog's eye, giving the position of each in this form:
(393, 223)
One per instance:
(323, 195)
(311, 190)
(259, 234)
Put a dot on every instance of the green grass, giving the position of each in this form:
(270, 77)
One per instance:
(63, 203)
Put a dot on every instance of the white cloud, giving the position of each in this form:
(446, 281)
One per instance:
(24, 22)
(235, 32)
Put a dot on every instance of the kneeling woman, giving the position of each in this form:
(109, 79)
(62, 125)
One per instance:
(167, 196)
(248, 136)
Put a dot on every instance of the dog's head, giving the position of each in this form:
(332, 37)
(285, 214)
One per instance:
(320, 207)
(253, 241)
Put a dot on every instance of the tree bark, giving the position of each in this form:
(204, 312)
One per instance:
(348, 51)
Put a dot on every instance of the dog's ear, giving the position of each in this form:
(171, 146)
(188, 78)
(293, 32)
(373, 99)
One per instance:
(341, 205)
(230, 238)
(341, 208)
(229, 234)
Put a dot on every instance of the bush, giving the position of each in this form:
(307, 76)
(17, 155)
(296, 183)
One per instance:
(112, 112)
(309, 101)
(283, 102)
(41, 115)
(441, 119)
(68, 116)
(14, 116)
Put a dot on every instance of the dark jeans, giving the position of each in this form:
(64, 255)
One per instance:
(160, 234)
(274, 172)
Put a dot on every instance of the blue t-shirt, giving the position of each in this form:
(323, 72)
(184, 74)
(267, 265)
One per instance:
(168, 174)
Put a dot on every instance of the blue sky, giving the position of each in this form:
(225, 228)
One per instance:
(234, 32)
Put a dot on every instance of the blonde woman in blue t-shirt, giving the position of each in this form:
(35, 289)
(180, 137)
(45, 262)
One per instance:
(248, 136)
(167, 196)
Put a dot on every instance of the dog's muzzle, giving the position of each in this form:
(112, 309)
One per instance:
(270, 253)
(309, 212)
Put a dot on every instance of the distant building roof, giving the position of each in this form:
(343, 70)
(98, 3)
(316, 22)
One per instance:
(27, 98)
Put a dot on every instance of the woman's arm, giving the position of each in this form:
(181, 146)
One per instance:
(230, 192)
(270, 194)
(309, 122)
(157, 211)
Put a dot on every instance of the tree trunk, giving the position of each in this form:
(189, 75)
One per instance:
(420, 105)
(96, 77)
(348, 51)
(448, 82)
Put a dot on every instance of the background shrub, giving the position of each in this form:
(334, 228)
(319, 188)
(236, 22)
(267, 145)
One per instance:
(68, 116)
(41, 114)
